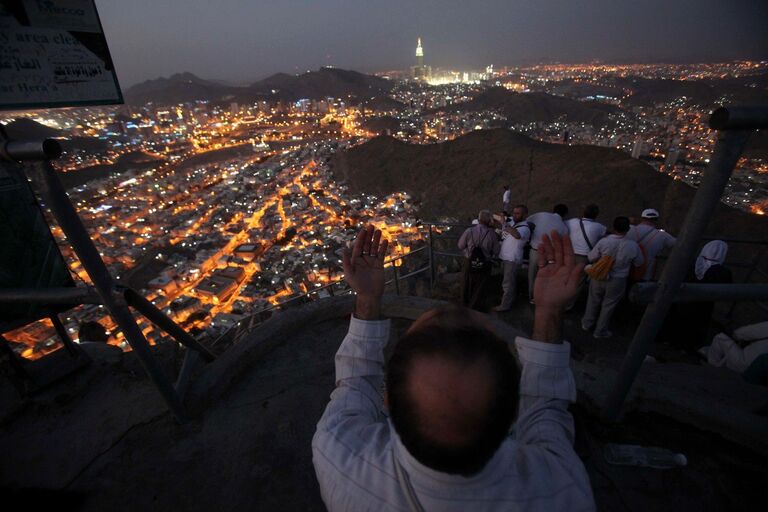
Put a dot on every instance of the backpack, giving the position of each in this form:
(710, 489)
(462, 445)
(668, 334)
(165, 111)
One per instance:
(601, 269)
(637, 274)
(527, 247)
(477, 260)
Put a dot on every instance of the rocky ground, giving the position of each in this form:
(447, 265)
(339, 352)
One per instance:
(101, 439)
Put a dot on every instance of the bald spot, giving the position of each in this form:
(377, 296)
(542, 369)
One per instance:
(452, 398)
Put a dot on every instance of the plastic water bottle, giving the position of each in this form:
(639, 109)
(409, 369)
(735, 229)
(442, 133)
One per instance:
(643, 456)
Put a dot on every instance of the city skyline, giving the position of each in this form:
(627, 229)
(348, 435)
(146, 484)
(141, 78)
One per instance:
(294, 37)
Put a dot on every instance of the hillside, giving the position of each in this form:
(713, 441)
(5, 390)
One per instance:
(745, 90)
(178, 88)
(460, 177)
(382, 125)
(535, 107)
(325, 82)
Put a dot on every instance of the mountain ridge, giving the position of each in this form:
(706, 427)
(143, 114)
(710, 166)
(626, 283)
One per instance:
(534, 107)
(459, 177)
(325, 82)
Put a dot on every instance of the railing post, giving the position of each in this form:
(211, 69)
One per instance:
(431, 263)
(66, 215)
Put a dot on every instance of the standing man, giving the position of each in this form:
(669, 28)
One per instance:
(506, 199)
(604, 296)
(585, 233)
(651, 240)
(515, 235)
(543, 223)
(480, 245)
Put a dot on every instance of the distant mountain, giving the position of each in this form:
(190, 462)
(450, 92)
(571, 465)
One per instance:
(384, 104)
(179, 88)
(535, 107)
(325, 82)
(460, 177)
(751, 90)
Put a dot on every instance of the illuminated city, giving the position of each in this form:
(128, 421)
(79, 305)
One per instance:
(219, 211)
(341, 256)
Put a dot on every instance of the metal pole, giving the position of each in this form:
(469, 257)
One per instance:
(64, 335)
(191, 359)
(154, 315)
(74, 296)
(726, 154)
(75, 231)
(431, 263)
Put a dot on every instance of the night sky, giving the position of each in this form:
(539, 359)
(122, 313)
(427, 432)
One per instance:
(240, 41)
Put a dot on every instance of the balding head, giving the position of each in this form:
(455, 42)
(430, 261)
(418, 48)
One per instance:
(452, 390)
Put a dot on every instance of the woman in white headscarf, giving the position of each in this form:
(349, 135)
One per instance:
(710, 261)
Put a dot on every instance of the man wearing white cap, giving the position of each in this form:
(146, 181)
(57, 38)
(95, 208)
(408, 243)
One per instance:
(651, 240)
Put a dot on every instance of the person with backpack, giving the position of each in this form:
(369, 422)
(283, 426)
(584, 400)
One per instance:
(612, 258)
(652, 241)
(585, 233)
(480, 245)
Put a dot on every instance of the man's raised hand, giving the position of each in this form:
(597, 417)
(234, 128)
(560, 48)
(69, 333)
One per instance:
(557, 281)
(364, 271)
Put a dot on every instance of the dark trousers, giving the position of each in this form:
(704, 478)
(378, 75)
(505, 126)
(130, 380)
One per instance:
(474, 287)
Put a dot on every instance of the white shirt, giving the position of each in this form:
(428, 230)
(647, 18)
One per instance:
(624, 251)
(507, 196)
(355, 445)
(653, 243)
(544, 223)
(595, 231)
(511, 247)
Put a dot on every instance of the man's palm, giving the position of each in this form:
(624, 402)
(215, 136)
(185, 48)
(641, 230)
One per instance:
(364, 263)
(557, 281)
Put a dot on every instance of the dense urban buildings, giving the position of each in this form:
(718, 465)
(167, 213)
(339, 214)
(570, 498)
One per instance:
(218, 210)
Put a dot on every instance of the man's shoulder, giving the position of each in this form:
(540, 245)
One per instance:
(630, 244)
(604, 241)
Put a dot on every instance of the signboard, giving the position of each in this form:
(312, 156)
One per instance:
(53, 53)
(29, 256)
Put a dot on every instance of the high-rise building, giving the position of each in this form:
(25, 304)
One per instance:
(420, 71)
(419, 53)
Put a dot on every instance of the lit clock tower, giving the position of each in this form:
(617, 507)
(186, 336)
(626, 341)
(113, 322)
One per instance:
(419, 54)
